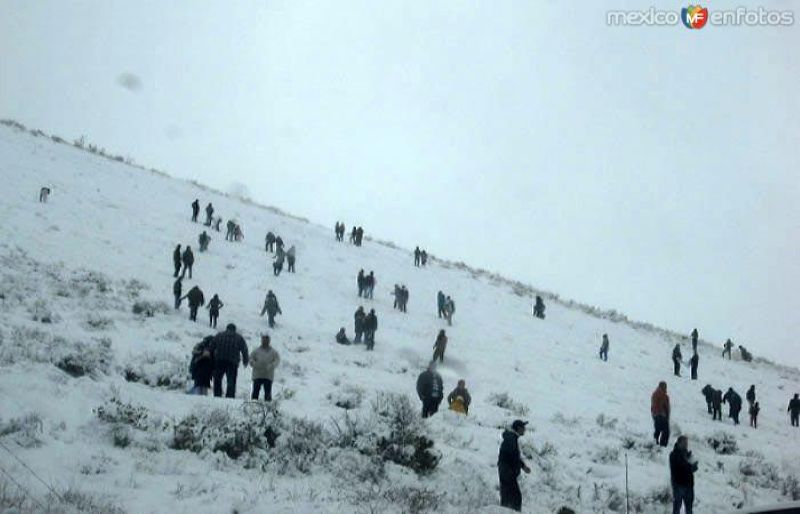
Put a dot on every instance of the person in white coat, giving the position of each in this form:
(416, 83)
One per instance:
(263, 361)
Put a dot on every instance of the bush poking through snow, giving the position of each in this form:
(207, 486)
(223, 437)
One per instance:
(24, 431)
(402, 438)
(348, 397)
(504, 401)
(790, 487)
(158, 369)
(115, 411)
(148, 309)
(723, 443)
(606, 455)
(90, 359)
(607, 423)
(415, 500)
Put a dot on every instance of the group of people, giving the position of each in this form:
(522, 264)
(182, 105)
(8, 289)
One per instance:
(430, 390)
(446, 307)
(420, 257)
(233, 231)
(356, 235)
(211, 221)
(366, 284)
(218, 358)
(280, 256)
(400, 297)
(365, 325)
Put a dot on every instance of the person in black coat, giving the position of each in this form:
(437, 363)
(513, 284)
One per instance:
(681, 468)
(195, 209)
(341, 337)
(750, 395)
(417, 255)
(509, 465)
(370, 327)
(734, 402)
(440, 299)
(716, 405)
(676, 360)
(227, 347)
(176, 260)
(188, 261)
(430, 390)
(693, 362)
(177, 290)
(358, 323)
(604, 348)
(202, 367)
(361, 281)
(794, 410)
(213, 310)
(695, 335)
(538, 308)
(708, 393)
(196, 299)
(209, 214)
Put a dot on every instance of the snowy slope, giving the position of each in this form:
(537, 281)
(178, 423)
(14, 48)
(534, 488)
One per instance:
(121, 224)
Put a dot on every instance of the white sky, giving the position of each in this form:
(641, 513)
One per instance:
(653, 169)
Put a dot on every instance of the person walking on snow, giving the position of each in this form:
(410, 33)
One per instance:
(754, 410)
(417, 256)
(449, 310)
(196, 300)
(509, 465)
(227, 347)
(682, 467)
(263, 361)
(708, 394)
(440, 299)
(213, 310)
(188, 262)
(209, 214)
(271, 307)
(716, 405)
(203, 240)
(726, 348)
(359, 318)
(794, 410)
(201, 367)
(538, 308)
(734, 402)
(750, 395)
(230, 228)
(177, 290)
(430, 390)
(361, 280)
(370, 327)
(676, 360)
(440, 346)
(290, 256)
(659, 409)
(604, 348)
(176, 260)
(195, 209)
(270, 240)
(693, 362)
(695, 335)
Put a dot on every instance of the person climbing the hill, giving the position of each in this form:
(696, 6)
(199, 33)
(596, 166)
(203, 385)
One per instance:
(360, 280)
(750, 395)
(353, 235)
(396, 295)
(201, 367)
(203, 240)
(263, 362)
(277, 264)
(459, 398)
(227, 347)
(188, 262)
(754, 410)
(681, 469)
(693, 362)
(708, 394)
(278, 243)
(359, 236)
(794, 410)
(359, 319)
(440, 299)
(604, 348)
(341, 337)
(449, 310)
(509, 465)
(726, 348)
(440, 346)
(336, 230)
(238, 233)
(213, 310)
(217, 222)
(196, 300)
(270, 240)
(176, 260)
(423, 258)
(538, 308)
(44, 194)
(695, 335)
(716, 405)
(417, 256)
(369, 283)
(403, 298)
(734, 402)
(290, 256)
(177, 290)
(271, 307)
(659, 409)
(209, 214)
(430, 390)
(676, 360)
(370, 327)
(195, 209)
(230, 228)
(746, 356)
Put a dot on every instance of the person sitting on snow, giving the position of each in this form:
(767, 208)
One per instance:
(459, 398)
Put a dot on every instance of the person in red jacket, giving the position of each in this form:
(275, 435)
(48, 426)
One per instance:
(659, 409)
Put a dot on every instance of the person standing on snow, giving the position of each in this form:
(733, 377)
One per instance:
(227, 347)
(195, 209)
(794, 410)
(695, 336)
(196, 300)
(660, 410)
(440, 346)
(682, 467)
(188, 262)
(271, 307)
(263, 361)
(604, 348)
(213, 310)
(693, 362)
(176, 260)
(676, 360)
(509, 465)
(370, 327)
(209, 214)
(358, 323)
(430, 390)
(290, 256)
(734, 402)
(177, 290)
(440, 299)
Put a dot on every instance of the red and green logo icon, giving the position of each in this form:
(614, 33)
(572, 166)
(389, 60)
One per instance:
(694, 16)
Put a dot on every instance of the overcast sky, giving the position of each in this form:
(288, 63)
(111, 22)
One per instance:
(654, 170)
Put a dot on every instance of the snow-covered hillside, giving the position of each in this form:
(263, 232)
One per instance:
(70, 342)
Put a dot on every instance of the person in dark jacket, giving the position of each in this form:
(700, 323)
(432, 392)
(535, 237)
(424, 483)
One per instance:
(361, 281)
(369, 285)
(716, 405)
(359, 236)
(750, 395)
(213, 310)
(271, 307)
(341, 337)
(695, 336)
(209, 214)
(449, 310)
(681, 469)
(693, 362)
(509, 465)
(754, 410)
(734, 402)
(440, 299)
(217, 222)
(196, 300)
(291, 254)
(397, 296)
(726, 348)
(277, 264)
(201, 367)
(353, 234)
(403, 298)
(203, 240)
(538, 308)
(746, 356)
(708, 394)
(423, 258)
(270, 240)
(176, 260)
(228, 347)
(794, 410)
(460, 392)
(660, 410)
(188, 261)
(195, 209)
(177, 290)
(440, 346)
(676, 360)
(230, 229)
(358, 323)
(430, 390)
(604, 348)
(278, 243)
(417, 255)
(370, 327)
